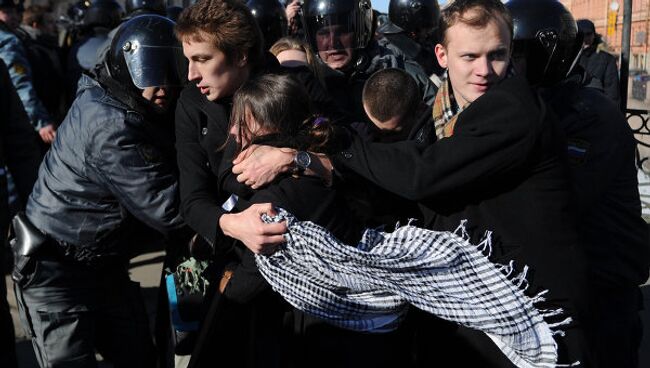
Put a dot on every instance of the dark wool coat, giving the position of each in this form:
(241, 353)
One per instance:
(501, 171)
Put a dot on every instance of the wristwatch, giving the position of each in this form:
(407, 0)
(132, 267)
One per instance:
(301, 161)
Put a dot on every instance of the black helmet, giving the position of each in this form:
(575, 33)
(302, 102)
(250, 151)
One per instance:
(353, 16)
(103, 13)
(18, 4)
(173, 12)
(144, 6)
(146, 53)
(271, 18)
(77, 11)
(586, 26)
(414, 15)
(546, 34)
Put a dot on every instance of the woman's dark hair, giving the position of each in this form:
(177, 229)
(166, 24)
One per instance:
(281, 106)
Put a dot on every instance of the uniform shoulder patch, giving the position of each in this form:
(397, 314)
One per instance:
(20, 68)
(577, 151)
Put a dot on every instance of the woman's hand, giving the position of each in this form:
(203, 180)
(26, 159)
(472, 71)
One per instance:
(257, 166)
(247, 226)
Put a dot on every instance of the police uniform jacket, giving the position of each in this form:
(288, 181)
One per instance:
(601, 153)
(602, 66)
(501, 171)
(106, 165)
(13, 55)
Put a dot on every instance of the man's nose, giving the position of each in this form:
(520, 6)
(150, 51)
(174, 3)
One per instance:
(192, 73)
(483, 67)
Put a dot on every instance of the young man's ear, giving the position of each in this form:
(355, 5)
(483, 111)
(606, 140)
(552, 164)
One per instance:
(441, 55)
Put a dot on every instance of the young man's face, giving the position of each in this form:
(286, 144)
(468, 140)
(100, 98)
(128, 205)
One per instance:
(476, 58)
(210, 70)
(335, 46)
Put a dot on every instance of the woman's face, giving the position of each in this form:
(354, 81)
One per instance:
(244, 135)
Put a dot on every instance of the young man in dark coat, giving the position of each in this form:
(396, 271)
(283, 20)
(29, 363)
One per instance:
(496, 164)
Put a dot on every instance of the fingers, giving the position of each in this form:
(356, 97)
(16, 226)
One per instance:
(243, 155)
(275, 229)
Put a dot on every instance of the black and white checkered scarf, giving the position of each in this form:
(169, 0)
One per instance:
(369, 287)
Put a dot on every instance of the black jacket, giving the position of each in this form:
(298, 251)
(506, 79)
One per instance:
(201, 129)
(502, 172)
(601, 152)
(602, 67)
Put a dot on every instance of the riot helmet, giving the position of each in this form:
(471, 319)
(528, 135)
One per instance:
(271, 18)
(15, 4)
(546, 37)
(145, 53)
(333, 26)
(138, 7)
(414, 16)
(103, 13)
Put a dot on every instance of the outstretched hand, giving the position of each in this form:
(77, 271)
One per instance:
(257, 166)
(248, 227)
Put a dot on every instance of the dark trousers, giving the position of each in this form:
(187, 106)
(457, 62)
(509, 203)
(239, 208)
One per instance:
(7, 338)
(71, 310)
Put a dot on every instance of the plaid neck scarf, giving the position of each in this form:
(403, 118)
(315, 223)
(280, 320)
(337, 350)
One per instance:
(445, 109)
(369, 287)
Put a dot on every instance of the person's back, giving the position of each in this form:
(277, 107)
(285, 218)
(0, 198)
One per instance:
(599, 63)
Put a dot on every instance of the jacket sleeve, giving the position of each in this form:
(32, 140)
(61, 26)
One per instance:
(493, 136)
(198, 186)
(610, 82)
(427, 87)
(137, 174)
(21, 149)
(13, 55)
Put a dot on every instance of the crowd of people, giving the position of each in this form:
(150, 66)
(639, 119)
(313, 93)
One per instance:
(445, 187)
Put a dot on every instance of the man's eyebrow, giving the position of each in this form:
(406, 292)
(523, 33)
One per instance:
(200, 56)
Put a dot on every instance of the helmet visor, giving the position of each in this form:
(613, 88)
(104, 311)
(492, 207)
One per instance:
(334, 32)
(155, 66)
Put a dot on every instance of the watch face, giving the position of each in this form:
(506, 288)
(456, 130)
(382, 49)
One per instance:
(303, 160)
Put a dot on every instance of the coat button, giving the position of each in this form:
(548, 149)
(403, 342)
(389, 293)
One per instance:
(207, 164)
(347, 155)
(204, 131)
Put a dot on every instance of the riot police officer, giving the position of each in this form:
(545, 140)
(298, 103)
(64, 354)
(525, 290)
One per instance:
(109, 172)
(271, 19)
(341, 33)
(98, 20)
(603, 177)
(12, 53)
(411, 29)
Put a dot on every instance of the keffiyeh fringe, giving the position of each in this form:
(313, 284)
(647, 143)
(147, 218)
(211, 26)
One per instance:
(369, 287)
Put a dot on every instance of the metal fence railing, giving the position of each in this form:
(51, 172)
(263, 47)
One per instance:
(639, 121)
